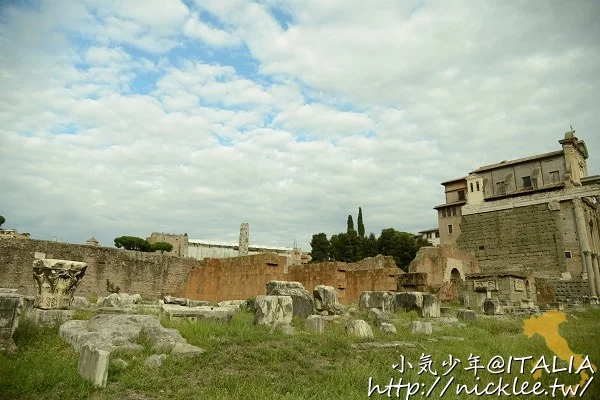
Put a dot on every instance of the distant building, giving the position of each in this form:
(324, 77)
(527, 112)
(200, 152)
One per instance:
(12, 233)
(431, 235)
(92, 242)
(536, 216)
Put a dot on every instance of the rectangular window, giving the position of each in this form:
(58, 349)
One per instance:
(471, 185)
(527, 182)
(500, 188)
(443, 212)
(437, 234)
(554, 176)
(534, 184)
(568, 254)
(454, 211)
(449, 228)
(461, 195)
(477, 185)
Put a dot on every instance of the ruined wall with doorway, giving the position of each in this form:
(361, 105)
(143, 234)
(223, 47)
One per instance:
(510, 289)
(439, 262)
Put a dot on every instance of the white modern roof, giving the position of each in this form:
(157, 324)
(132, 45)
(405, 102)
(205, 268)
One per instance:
(225, 244)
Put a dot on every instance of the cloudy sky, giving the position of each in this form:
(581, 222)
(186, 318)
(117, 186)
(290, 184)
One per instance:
(128, 117)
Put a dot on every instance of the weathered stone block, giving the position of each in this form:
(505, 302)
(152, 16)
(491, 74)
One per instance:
(326, 299)
(10, 309)
(301, 299)
(492, 307)
(51, 317)
(387, 328)
(359, 328)
(315, 324)
(273, 309)
(93, 365)
(431, 306)
(175, 312)
(80, 302)
(421, 327)
(385, 301)
(235, 305)
(409, 301)
(465, 315)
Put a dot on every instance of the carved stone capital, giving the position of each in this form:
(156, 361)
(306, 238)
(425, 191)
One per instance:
(56, 281)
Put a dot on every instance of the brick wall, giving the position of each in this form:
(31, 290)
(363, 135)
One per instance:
(239, 278)
(516, 240)
(154, 275)
(151, 275)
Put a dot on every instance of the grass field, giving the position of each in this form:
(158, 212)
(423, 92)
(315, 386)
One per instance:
(243, 361)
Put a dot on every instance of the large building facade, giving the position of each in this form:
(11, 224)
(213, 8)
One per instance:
(536, 216)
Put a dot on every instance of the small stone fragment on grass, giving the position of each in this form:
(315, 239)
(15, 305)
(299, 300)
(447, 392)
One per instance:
(387, 328)
(359, 328)
(155, 360)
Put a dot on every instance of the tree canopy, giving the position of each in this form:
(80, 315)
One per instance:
(162, 247)
(353, 246)
(133, 243)
(2, 220)
(320, 247)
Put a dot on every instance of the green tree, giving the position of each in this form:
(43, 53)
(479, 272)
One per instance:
(162, 247)
(370, 248)
(341, 248)
(400, 245)
(2, 220)
(361, 225)
(350, 224)
(320, 247)
(133, 243)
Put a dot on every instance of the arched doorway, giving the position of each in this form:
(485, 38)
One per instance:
(456, 280)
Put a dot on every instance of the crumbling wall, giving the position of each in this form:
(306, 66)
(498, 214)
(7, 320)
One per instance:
(152, 275)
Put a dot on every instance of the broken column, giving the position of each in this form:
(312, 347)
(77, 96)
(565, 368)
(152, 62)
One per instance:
(56, 282)
(10, 309)
(244, 239)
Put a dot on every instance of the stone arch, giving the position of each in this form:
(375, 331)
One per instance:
(455, 276)
(452, 265)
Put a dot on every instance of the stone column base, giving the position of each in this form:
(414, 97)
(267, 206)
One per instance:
(51, 317)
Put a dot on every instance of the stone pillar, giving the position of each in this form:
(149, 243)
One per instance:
(56, 281)
(11, 305)
(596, 271)
(584, 247)
(244, 238)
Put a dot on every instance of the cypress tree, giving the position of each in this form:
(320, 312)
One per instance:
(350, 224)
(361, 225)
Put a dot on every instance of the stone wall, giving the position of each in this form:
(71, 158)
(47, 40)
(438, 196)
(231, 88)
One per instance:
(517, 240)
(572, 289)
(154, 275)
(239, 278)
(439, 262)
(151, 275)
(509, 289)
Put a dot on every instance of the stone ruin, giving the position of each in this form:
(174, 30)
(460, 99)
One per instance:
(56, 283)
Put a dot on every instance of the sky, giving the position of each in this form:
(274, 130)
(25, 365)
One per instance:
(130, 117)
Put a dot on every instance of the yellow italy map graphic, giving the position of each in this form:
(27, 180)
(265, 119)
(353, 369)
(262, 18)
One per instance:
(546, 325)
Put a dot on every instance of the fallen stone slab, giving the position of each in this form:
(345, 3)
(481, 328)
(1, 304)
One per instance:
(93, 365)
(174, 312)
(80, 302)
(120, 300)
(186, 349)
(456, 338)
(50, 317)
(302, 301)
(409, 301)
(119, 333)
(11, 305)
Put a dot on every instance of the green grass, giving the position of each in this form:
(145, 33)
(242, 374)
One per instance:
(243, 361)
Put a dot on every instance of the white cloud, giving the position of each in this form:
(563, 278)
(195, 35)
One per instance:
(212, 36)
(128, 118)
